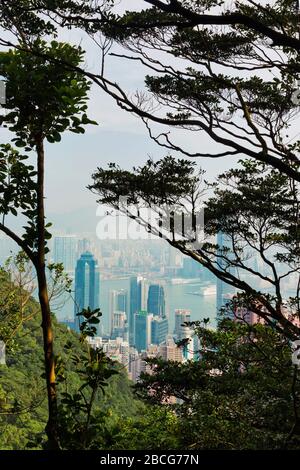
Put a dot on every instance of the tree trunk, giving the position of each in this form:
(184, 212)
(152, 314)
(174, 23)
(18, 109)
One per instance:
(51, 427)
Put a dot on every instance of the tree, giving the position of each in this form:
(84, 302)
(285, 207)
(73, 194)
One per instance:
(23, 402)
(19, 278)
(220, 82)
(217, 85)
(155, 429)
(243, 393)
(79, 426)
(256, 208)
(43, 101)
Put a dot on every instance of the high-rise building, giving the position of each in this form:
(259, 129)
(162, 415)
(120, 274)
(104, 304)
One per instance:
(87, 284)
(184, 331)
(84, 244)
(119, 325)
(181, 316)
(156, 300)
(219, 299)
(143, 286)
(65, 251)
(137, 302)
(115, 349)
(175, 258)
(169, 351)
(191, 268)
(159, 330)
(143, 322)
(117, 303)
(121, 300)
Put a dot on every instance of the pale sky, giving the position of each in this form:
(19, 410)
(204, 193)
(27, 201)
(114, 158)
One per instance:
(120, 137)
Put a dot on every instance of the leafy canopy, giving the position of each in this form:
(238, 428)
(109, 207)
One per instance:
(44, 98)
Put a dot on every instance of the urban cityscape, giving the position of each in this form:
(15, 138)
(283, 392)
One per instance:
(149, 231)
(145, 296)
(146, 291)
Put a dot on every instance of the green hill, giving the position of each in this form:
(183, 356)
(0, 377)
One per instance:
(23, 402)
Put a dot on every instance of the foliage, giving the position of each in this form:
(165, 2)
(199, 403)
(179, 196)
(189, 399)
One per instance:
(17, 182)
(19, 284)
(157, 428)
(56, 105)
(23, 409)
(43, 100)
(78, 426)
(31, 19)
(155, 183)
(243, 393)
(254, 207)
(216, 85)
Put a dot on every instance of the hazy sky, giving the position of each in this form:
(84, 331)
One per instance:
(119, 137)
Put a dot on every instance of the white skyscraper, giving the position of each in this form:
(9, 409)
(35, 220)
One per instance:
(181, 316)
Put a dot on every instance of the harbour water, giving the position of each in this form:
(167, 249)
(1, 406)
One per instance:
(180, 295)
(177, 296)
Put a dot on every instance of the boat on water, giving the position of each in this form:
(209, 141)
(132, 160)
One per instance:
(179, 280)
(205, 291)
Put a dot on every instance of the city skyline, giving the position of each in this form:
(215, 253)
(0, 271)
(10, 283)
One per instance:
(138, 315)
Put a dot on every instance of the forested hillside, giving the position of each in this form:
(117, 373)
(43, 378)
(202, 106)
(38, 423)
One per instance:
(23, 404)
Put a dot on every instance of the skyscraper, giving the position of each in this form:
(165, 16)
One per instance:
(182, 331)
(119, 325)
(135, 305)
(156, 300)
(191, 268)
(84, 244)
(121, 300)
(159, 330)
(117, 303)
(142, 330)
(181, 316)
(65, 251)
(86, 284)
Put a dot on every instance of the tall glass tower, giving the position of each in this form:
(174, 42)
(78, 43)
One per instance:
(143, 322)
(87, 284)
(156, 300)
(134, 306)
